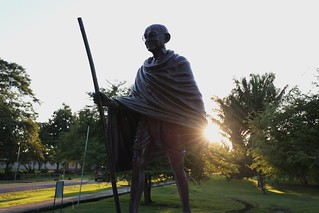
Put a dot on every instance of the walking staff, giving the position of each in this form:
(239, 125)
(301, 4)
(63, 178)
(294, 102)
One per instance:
(102, 117)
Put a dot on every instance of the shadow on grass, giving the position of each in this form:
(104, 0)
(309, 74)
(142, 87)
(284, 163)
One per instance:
(161, 205)
(13, 199)
(74, 194)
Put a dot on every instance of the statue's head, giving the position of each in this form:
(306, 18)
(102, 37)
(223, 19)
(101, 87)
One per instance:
(155, 31)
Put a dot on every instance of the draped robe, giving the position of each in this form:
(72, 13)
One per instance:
(165, 91)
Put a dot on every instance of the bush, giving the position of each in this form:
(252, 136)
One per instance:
(9, 175)
(44, 171)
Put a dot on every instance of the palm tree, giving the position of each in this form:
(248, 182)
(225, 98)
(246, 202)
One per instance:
(246, 101)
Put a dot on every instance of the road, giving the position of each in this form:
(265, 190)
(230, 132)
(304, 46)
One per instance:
(15, 187)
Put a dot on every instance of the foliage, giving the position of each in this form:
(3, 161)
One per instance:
(246, 101)
(114, 90)
(51, 132)
(218, 160)
(286, 139)
(72, 142)
(17, 126)
(30, 144)
(44, 135)
(15, 89)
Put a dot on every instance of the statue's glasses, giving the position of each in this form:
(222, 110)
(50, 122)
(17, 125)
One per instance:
(150, 36)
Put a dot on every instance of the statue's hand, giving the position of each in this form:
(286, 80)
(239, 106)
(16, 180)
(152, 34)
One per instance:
(106, 101)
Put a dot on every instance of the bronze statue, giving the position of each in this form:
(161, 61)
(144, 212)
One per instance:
(164, 112)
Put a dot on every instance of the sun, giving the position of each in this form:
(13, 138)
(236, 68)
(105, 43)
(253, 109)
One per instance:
(212, 132)
(213, 135)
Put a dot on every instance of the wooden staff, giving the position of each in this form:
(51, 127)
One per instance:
(102, 117)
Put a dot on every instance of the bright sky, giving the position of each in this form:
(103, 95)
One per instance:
(223, 40)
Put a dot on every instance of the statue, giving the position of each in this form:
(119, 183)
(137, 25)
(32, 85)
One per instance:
(164, 112)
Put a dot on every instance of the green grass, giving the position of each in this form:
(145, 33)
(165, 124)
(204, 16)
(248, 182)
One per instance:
(31, 196)
(215, 195)
(219, 195)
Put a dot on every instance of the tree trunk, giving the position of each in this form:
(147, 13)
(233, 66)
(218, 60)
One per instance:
(8, 168)
(39, 165)
(261, 182)
(147, 190)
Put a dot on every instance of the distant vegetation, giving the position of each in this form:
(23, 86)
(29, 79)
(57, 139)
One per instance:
(273, 132)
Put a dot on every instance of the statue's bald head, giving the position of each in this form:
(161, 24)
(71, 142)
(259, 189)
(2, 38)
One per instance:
(159, 29)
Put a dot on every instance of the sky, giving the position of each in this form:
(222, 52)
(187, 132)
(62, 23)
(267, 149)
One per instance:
(223, 40)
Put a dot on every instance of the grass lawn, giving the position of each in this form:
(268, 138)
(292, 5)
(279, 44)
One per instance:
(31, 196)
(220, 195)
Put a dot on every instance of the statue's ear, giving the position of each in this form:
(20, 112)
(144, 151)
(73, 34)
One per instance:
(167, 37)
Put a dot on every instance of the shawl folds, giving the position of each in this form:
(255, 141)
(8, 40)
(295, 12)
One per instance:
(165, 91)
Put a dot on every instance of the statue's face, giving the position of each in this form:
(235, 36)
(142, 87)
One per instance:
(154, 38)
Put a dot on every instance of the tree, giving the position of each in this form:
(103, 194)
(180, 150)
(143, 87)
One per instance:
(30, 144)
(286, 139)
(17, 126)
(219, 160)
(246, 101)
(44, 135)
(72, 142)
(51, 133)
(113, 91)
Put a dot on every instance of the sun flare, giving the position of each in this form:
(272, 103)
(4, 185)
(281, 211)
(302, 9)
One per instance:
(212, 133)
